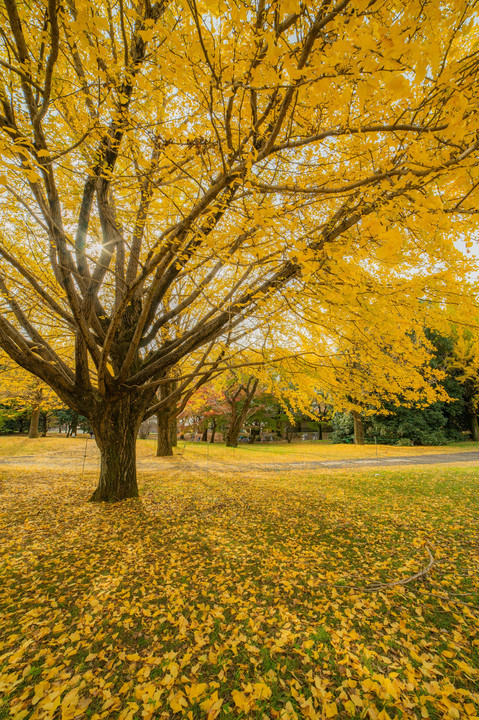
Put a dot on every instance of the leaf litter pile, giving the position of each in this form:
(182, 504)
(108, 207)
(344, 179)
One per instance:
(337, 595)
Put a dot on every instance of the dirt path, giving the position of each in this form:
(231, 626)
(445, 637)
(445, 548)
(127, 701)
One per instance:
(433, 459)
(180, 463)
(357, 463)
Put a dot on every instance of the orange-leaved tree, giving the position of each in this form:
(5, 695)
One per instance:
(174, 173)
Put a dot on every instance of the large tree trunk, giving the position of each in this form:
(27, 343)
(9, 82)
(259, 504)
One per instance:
(474, 425)
(34, 418)
(116, 428)
(232, 434)
(163, 443)
(358, 428)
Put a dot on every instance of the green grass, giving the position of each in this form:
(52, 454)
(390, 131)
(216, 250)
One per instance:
(234, 598)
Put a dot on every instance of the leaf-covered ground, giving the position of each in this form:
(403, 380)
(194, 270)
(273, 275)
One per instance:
(216, 597)
(57, 449)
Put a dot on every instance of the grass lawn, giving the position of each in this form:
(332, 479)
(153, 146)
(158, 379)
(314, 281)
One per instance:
(72, 449)
(254, 597)
(308, 451)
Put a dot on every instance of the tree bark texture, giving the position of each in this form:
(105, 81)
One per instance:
(233, 432)
(34, 418)
(173, 430)
(116, 427)
(474, 425)
(358, 428)
(213, 430)
(163, 442)
(166, 419)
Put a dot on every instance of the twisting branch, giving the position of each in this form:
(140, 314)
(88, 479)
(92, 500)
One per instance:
(405, 581)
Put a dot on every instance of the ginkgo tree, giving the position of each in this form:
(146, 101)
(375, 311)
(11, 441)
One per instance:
(463, 363)
(175, 173)
(22, 391)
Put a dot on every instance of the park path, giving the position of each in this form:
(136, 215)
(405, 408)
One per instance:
(54, 461)
(352, 463)
(432, 459)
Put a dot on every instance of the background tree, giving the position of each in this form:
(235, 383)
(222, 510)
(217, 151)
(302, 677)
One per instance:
(207, 404)
(173, 165)
(24, 392)
(400, 422)
(13, 419)
(166, 420)
(71, 420)
(463, 364)
(239, 396)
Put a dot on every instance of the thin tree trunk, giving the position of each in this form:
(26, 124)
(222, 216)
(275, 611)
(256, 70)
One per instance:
(237, 419)
(166, 420)
(172, 424)
(44, 419)
(144, 431)
(172, 414)
(213, 430)
(254, 433)
(163, 442)
(358, 428)
(204, 437)
(474, 425)
(116, 429)
(74, 424)
(35, 416)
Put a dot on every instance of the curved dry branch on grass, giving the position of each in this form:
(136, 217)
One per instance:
(422, 573)
(385, 586)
